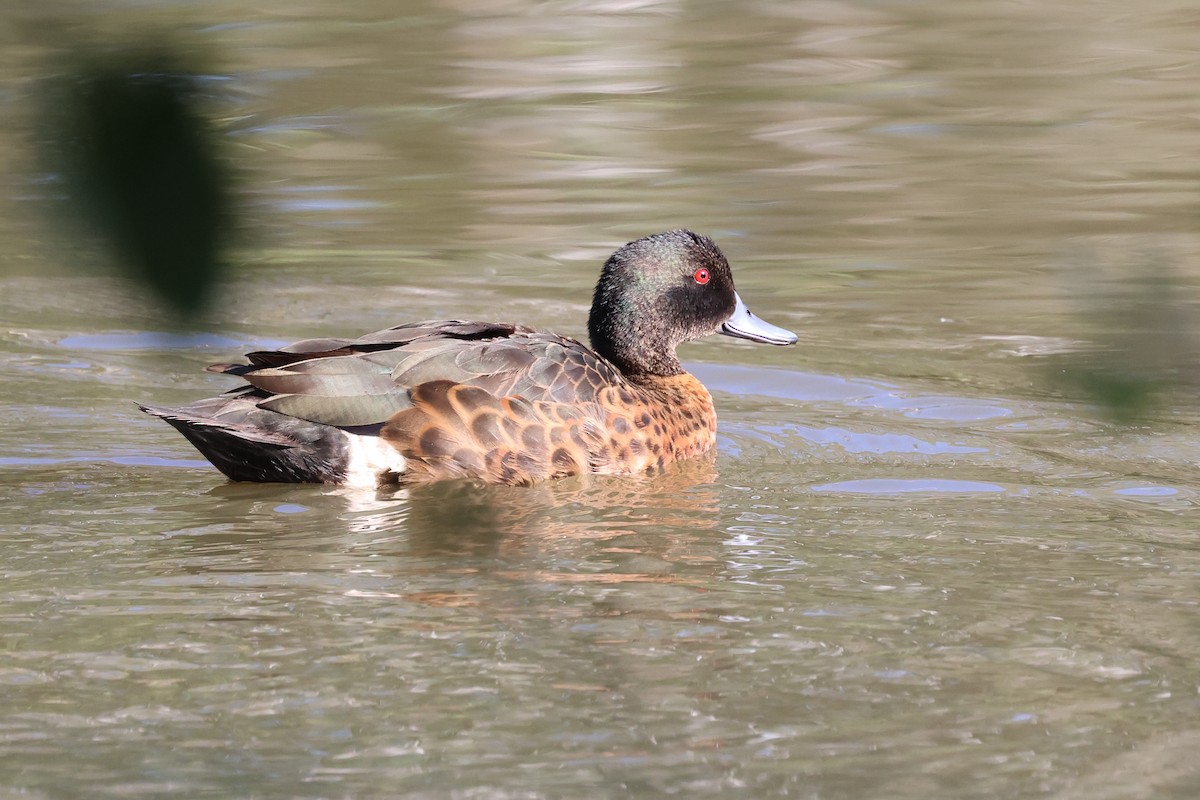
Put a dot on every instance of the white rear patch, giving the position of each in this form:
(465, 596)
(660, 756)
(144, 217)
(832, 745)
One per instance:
(370, 459)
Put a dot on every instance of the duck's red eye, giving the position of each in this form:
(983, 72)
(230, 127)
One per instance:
(701, 276)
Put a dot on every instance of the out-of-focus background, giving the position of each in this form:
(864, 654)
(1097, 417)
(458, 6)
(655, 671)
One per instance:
(945, 548)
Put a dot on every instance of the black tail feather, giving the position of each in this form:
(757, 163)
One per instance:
(275, 449)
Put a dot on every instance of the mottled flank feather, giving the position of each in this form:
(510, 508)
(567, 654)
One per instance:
(457, 430)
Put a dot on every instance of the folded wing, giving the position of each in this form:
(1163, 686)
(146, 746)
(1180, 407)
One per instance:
(364, 381)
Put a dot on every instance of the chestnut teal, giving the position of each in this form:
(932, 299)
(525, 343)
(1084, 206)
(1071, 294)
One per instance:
(495, 402)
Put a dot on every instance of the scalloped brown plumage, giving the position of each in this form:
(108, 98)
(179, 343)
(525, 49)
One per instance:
(497, 402)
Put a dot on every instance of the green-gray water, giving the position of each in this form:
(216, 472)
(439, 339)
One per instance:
(921, 563)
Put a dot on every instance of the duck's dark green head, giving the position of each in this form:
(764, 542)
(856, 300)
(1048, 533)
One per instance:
(659, 291)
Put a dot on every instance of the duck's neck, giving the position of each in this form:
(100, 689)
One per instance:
(639, 349)
(642, 365)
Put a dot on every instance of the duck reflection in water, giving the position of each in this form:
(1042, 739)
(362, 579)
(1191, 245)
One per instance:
(466, 517)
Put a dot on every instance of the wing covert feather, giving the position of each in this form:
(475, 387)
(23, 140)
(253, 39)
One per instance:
(347, 382)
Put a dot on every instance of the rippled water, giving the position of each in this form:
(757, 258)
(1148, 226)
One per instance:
(922, 563)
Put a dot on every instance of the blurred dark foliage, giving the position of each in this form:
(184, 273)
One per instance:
(140, 167)
(1145, 343)
(1126, 395)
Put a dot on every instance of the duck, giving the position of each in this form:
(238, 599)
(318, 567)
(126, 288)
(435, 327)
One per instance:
(499, 403)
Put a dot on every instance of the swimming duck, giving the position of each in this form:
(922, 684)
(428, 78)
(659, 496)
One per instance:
(495, 402)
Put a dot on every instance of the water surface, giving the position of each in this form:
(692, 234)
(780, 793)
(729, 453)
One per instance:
(921, 562)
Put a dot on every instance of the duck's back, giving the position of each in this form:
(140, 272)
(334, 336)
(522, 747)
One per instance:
(314, 379)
